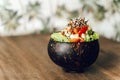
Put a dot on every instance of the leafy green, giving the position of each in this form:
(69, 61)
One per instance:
(91, 37)
(90, 32)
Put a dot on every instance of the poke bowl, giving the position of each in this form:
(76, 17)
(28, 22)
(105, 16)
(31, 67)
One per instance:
(74, 50)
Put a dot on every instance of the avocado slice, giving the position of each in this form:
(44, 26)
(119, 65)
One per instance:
(59, 37)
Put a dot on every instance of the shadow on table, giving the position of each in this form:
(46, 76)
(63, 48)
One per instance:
(106, 60)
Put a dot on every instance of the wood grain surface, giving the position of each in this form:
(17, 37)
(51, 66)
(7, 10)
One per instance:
(26, 58)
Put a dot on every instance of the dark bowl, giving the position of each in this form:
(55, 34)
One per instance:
(73, 56)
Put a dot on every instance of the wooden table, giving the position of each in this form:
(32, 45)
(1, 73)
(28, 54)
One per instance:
(26, 58)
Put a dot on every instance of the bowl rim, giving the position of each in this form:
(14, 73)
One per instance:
(51, 39)
(72, 42)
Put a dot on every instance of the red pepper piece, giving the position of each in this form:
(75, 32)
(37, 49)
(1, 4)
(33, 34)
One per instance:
(83, 29)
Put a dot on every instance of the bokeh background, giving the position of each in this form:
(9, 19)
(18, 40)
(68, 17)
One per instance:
(22, 17)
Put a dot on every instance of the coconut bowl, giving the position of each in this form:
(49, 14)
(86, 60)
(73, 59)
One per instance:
(73, 56)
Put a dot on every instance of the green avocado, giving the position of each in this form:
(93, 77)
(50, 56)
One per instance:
(88, 37)
(59, 37)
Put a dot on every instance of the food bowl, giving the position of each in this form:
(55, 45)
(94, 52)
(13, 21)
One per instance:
(73, 56)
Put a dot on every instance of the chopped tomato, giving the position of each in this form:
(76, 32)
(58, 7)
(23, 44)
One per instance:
(83, 30)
